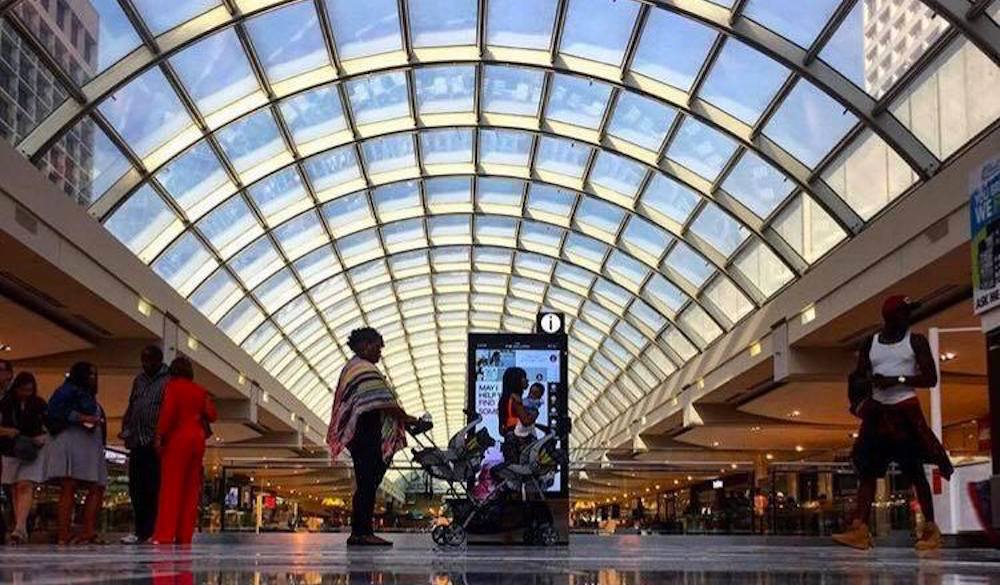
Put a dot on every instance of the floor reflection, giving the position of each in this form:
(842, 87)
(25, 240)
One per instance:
(182, 574)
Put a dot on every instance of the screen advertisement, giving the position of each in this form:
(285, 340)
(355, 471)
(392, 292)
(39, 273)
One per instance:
(543, 359)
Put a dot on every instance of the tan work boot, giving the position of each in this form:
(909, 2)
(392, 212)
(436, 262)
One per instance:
(930, 537)
(857, 536)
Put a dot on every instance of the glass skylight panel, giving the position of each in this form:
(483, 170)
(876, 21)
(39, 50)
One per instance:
(348, 214)
(549, 203)
(585, 251)
(626, 271)
(446, 146)
(799, 22)
(241, 320)
(360, 247)
(442, 23)
(278, 194)
(256, 262)
(612, 295)
(672, 48)
(577, 100)
(389, 153)
(617, 173)
(728, 299)
(317, 266)
(664, 295)
(809, 123)
(644, 240)
(731, 88)
(159, 20)
(288, 40)
(679, 344)
(215, 71)
(505, 147)
(140, 220)
(808, 228)
(448, 195)
(277, 290)
(540, 237)
(701, 149)
(445, 89)
(146, 112)
(332, 169)
(598, 30)
(230, 226)
(524, 24)
(496, 230)
(216, 295)
(719, 229)
(314, 114)
(185, 264)
(670, 198)
(300, 235)
(689, 264)
(762, 268)
(641, 121)
(699, 325)
(379, 97)
(757, 185)
(565, 157)
(251, 140)
(193, 175)
(362, 29)
(450, 230)
(646, 318)
(401, 236)
(599, 218)
(397, 201)
(512, 90)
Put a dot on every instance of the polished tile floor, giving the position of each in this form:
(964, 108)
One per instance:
(588, 560)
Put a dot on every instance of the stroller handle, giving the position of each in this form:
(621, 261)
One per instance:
(420, 427)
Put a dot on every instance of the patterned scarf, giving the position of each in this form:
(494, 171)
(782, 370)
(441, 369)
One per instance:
(361, 389)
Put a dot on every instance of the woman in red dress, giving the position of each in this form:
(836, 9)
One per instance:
(181, 432)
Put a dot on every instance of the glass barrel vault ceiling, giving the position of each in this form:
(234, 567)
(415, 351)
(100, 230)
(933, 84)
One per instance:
(657, 171)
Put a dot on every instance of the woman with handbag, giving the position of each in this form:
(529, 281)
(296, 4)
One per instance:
(76, 453)
(185, 416)
(22, 438)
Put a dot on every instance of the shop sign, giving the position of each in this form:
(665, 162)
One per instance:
(984, 207)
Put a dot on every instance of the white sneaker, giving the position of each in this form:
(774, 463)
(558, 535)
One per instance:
(130, 539)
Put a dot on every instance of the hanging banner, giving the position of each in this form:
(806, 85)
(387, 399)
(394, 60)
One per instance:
(984, 207)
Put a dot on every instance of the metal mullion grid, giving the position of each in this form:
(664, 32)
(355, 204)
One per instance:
(548, 79)
(481, 24)
(668, 140)
(609, 112)
(405, 33)
(842, 11)
(631, 48)
(477, 109)
(706, 68)
(736, 12)
(328, 39)
(558, 24)
(963, 16)
(264, 82)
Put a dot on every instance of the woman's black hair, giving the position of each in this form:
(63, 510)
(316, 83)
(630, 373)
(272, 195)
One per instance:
(182, 367)
(362, 336)
(512, 379)
(23, 379)
(79, 374)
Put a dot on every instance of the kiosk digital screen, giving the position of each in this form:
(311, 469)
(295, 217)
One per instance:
(543, 359)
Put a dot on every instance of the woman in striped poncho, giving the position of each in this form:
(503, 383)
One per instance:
(368, 421)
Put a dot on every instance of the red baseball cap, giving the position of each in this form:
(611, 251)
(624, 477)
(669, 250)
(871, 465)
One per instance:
(894, 303)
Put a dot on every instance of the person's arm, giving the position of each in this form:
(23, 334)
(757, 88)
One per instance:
(926, 364)
(397, 411)
(524, 415)
(211, 414)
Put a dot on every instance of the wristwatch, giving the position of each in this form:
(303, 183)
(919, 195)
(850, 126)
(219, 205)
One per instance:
(901, 379)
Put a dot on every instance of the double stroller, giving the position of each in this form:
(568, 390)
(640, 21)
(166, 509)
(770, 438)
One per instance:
(515, 494)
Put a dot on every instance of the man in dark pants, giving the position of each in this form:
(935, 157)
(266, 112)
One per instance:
(139, 433)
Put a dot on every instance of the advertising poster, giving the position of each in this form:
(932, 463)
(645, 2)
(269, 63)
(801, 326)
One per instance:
(984, 207)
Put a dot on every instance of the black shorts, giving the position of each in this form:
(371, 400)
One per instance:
(896, 433)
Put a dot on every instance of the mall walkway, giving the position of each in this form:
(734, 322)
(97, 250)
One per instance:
(587, 560)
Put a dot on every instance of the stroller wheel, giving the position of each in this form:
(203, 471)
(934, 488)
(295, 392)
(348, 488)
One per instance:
(546, 535)
(455, 535)
(439, 534)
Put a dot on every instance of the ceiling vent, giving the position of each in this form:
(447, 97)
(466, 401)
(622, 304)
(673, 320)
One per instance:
(20, 290)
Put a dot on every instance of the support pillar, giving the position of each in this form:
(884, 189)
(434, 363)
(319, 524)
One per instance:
(171, 334)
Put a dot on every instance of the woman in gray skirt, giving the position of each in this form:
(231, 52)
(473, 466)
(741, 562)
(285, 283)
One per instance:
(22, 437)
(76, 454)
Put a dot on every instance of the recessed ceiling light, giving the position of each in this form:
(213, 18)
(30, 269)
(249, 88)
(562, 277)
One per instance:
(769, 456)
(715, 443)
(800, 448)
(755, 349)
(947, 356)
(794, 413)
(808, 314)
(733, 465)
(5, 347)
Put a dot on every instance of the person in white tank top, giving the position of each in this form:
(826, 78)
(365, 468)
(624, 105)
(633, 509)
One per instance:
(893, 363)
